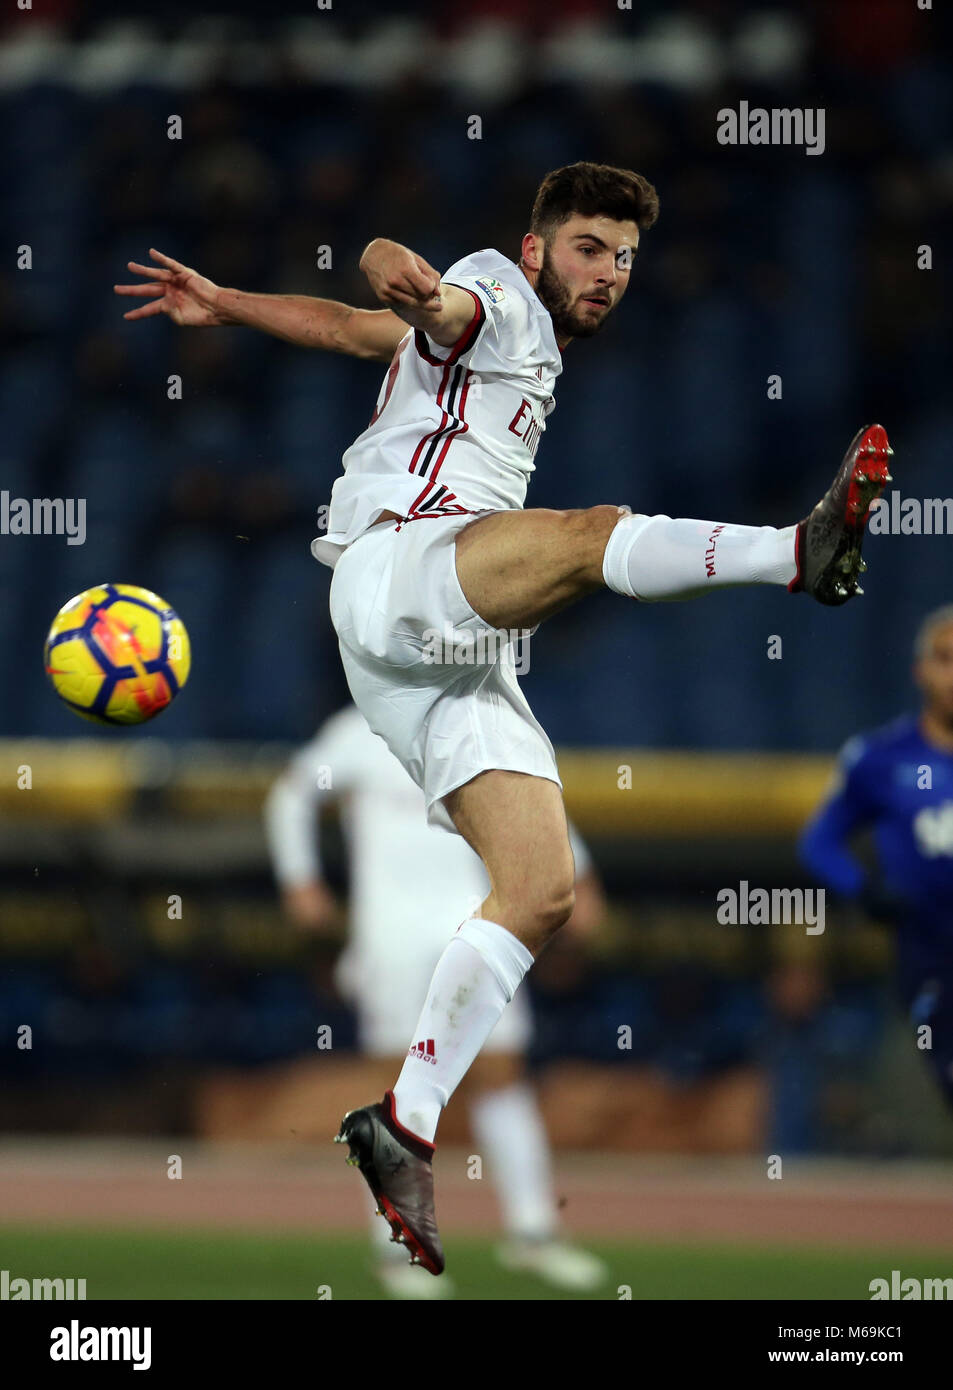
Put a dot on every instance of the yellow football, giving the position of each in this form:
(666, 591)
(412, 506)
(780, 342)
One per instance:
(117, 654)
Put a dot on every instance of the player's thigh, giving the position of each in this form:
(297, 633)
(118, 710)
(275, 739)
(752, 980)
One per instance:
(517, 825)
(517, 568)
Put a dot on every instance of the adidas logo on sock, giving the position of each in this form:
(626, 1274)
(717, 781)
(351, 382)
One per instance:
(424, 1051)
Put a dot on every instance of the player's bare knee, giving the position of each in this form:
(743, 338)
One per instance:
(550, 911)
(602, 520)
(558, 909)
(593, 528)
(588, 523)
(535, 914)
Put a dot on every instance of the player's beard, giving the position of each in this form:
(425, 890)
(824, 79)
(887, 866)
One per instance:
(568, 321)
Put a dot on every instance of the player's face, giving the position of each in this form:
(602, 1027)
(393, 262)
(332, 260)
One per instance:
(934, 674)
(585, 271)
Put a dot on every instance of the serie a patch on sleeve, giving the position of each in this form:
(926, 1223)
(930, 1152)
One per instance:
(492, 288)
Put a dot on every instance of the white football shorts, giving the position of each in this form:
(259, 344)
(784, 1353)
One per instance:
(426, 672)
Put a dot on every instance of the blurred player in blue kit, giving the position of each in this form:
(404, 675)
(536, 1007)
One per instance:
(898, 781)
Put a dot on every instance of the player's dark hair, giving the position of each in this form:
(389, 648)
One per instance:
(592, 190)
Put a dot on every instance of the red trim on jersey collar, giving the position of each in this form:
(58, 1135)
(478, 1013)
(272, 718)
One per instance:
(463, 343)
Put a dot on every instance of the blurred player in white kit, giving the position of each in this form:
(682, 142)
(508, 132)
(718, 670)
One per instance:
(410, 884)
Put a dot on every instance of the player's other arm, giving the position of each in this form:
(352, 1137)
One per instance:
(414, 291)
(291, 812)
(824, 843)
(823, 847)
(192, 301)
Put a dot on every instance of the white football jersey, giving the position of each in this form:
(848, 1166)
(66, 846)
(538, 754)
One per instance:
(455, 429)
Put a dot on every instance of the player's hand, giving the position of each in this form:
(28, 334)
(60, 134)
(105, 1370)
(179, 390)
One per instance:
(311, 907)
(400, 277)
(174, 289)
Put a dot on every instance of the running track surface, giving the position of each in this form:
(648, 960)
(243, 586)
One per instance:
(268, 1188)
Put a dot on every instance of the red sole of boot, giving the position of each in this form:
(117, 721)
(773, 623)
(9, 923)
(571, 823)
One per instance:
(869, 477)
(408, 1239)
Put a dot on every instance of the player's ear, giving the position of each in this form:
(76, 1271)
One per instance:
(532, 251)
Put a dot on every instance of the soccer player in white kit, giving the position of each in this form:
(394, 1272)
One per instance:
(427, 533)
(409, 886)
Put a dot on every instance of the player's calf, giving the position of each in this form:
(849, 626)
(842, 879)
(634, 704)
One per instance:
(517, 824)
(518, 568)
(655, 557)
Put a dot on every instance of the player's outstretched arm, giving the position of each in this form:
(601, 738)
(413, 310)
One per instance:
(192, 301)
(413, 289)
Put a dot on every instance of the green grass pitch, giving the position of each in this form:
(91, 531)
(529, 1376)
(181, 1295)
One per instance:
(136, 1264)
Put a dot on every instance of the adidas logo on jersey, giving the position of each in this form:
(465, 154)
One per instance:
(424, 1051)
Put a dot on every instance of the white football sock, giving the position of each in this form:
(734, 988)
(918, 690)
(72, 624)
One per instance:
(654, 557)
(476, 977)
(509, 1130)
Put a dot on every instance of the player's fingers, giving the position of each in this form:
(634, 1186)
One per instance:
(423, 279)
(433, 305)
(139, 291)
(392, 295)
(152, 271)
(146, 311)
(423, 300)
(413, 301)
(427, 269)
(167, 261)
